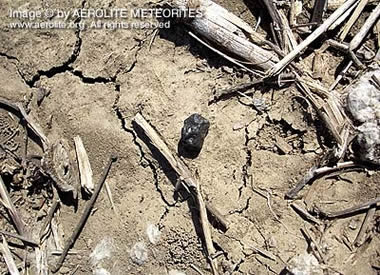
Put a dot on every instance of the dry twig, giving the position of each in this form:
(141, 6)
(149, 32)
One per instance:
(18, 109)
(8, 204)
(353, 210)
(228, 31)
(316, 173)
(22, 238)
(188, 181)
(13, 270)
(86, 213)
(313, 36)
(363, 229)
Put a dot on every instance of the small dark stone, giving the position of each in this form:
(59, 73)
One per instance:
(194, 131)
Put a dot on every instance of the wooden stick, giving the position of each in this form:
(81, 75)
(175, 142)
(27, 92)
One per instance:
(8, 204)
(232, 60)
(19, 110)
(353, 19)
(178, 166)
(359, 37)
(318, 172)
(86, 213)
(340, 20)
(12, 267)
(186, 176)
(17, 236)
(316, 245)
(368, 218)
(353, 210)
(318, 11)
(206, 231)
(313, 36)
(304, 214)
(228, 31)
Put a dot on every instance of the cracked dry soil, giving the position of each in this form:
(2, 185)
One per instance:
(99, 79)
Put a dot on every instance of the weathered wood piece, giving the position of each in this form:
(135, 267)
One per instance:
(227, 31)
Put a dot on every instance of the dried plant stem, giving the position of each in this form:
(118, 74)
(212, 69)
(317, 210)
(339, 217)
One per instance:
(353, 210)
(353, 19)
(12, 267)
(86, 213)
(8, 204)
(318, 172)
(227, 31)
(84, 165)
(22, 238)
(368, 218)
(187, 179)
(45, 226)
(313, 36)
(20, 111)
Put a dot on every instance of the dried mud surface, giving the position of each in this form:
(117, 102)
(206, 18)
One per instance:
(98, 80)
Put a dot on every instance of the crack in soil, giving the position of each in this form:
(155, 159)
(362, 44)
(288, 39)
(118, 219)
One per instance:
(240, 211)
(248, 162)
(56, 69)
(143, 157)
(9, 57)
(61, 68)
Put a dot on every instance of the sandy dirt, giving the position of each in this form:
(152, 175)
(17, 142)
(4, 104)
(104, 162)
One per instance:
(98, 80)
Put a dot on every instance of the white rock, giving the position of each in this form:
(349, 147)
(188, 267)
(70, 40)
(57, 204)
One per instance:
(101, 271)
(176, 272)
(139, 253)
(369, 141)
(363, 99)
(103, 250)
(153, 233)
(363, 102)
(305, 264)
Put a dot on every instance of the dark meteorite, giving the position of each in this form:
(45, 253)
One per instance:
(193, 134)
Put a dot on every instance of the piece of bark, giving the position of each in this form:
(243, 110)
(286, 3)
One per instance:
(84, 166)
(227, 31)
(58, 163)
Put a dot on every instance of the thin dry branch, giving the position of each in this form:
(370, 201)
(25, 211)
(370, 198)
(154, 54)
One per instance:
(187, 179)
(12, 267)
(353, 210)
(86, 213)
(18, 108)
(363, 229)
(359, 37)
(8, 204)
(45, 227)
(312, 37)
(352, 19)
(22, 238)
(319, 172)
